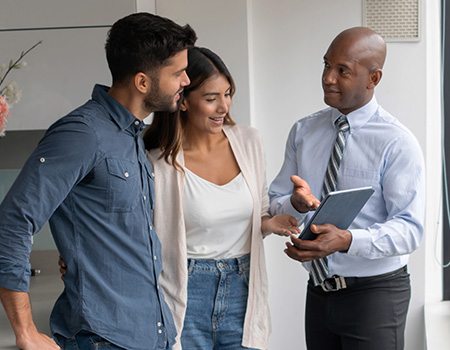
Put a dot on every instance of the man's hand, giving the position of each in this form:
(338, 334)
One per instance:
(62, 267)
(302, 199)
(330, 240)
(37, 341)
(18, 309)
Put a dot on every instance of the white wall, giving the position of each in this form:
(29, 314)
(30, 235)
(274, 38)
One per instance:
(222, 27)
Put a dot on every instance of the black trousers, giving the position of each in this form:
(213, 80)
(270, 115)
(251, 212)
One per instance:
(367, 316)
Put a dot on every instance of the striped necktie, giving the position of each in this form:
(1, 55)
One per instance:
(319, 267)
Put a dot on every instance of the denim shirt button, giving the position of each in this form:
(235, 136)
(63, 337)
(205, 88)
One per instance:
(42, 160)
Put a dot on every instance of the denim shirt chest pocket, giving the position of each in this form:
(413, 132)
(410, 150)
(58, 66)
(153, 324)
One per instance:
(124, 186)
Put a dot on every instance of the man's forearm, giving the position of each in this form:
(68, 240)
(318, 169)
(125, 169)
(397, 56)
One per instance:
(18, 308)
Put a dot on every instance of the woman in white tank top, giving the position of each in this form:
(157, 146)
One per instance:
(211, 214)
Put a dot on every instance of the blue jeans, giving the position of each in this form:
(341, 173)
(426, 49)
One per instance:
(217, 302)
(89, 341)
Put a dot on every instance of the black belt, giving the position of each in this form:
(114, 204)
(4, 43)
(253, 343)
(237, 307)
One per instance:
(335, 283)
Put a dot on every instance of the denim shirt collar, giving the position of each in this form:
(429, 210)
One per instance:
(359, 117)
(121, 116)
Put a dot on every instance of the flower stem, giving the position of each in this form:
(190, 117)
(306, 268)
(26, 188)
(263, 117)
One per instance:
(22, 55)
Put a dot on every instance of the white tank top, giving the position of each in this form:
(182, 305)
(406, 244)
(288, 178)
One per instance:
(217, 218)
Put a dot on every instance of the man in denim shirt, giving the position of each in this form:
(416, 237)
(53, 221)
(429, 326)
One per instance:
(90, 177)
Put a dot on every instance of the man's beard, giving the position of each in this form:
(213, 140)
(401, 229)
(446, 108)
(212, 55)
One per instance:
(156, 101)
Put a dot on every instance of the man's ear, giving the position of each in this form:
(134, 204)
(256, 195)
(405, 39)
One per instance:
(142, 82)
(374, 79)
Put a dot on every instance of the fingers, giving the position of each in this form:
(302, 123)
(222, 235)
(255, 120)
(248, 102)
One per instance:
(300, 255)
(62, 271)
(283, 224)
(294, 222)
(301, 244)
(313, 202)
(287, 232)
(61, 262)
(302, 198)
(62, 267)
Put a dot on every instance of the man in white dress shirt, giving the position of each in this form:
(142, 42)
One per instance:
(363, 302)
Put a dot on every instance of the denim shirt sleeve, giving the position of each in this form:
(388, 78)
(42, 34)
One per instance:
(63, 157)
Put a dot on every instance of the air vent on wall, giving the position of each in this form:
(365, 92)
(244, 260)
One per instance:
(394, 20)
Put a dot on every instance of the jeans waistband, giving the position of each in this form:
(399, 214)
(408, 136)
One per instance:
(240, 264)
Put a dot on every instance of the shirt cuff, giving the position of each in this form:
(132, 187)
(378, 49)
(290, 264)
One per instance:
(15, 278)
(361, 242)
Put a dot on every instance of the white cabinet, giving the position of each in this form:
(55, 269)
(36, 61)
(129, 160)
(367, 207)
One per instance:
(16, 14)
(62, 71)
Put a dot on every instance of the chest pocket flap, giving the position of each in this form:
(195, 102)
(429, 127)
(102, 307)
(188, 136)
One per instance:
(124, 186)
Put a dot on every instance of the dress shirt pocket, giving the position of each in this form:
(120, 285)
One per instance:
(124, 185)
(356, 177)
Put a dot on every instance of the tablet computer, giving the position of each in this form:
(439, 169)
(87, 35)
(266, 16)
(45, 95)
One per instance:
(338, 208)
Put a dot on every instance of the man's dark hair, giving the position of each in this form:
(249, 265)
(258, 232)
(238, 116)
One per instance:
(142, 42)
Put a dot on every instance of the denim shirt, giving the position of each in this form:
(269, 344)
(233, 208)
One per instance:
(90, 177)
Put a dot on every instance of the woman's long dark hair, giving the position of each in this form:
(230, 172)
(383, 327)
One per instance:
(166, 130)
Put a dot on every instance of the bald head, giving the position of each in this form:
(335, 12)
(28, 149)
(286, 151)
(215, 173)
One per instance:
(353, 68)
(364, 45)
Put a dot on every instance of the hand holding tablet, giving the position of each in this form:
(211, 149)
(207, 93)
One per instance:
(338, 208)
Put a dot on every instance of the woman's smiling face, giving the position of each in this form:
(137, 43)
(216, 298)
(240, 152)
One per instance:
(207, 106)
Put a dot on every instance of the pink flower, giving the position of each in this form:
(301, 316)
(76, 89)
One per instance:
(4, 114)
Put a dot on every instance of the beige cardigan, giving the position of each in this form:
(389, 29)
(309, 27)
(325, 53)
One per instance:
(247, 147)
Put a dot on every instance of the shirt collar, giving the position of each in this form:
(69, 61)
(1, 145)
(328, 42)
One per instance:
(360, 117)
(122, 116)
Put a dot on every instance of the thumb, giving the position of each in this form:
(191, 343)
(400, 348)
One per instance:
(317, 229)
(297, 181)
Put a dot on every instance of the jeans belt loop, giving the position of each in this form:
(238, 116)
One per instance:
(191, 264)
(338, 280)
(243, 262)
